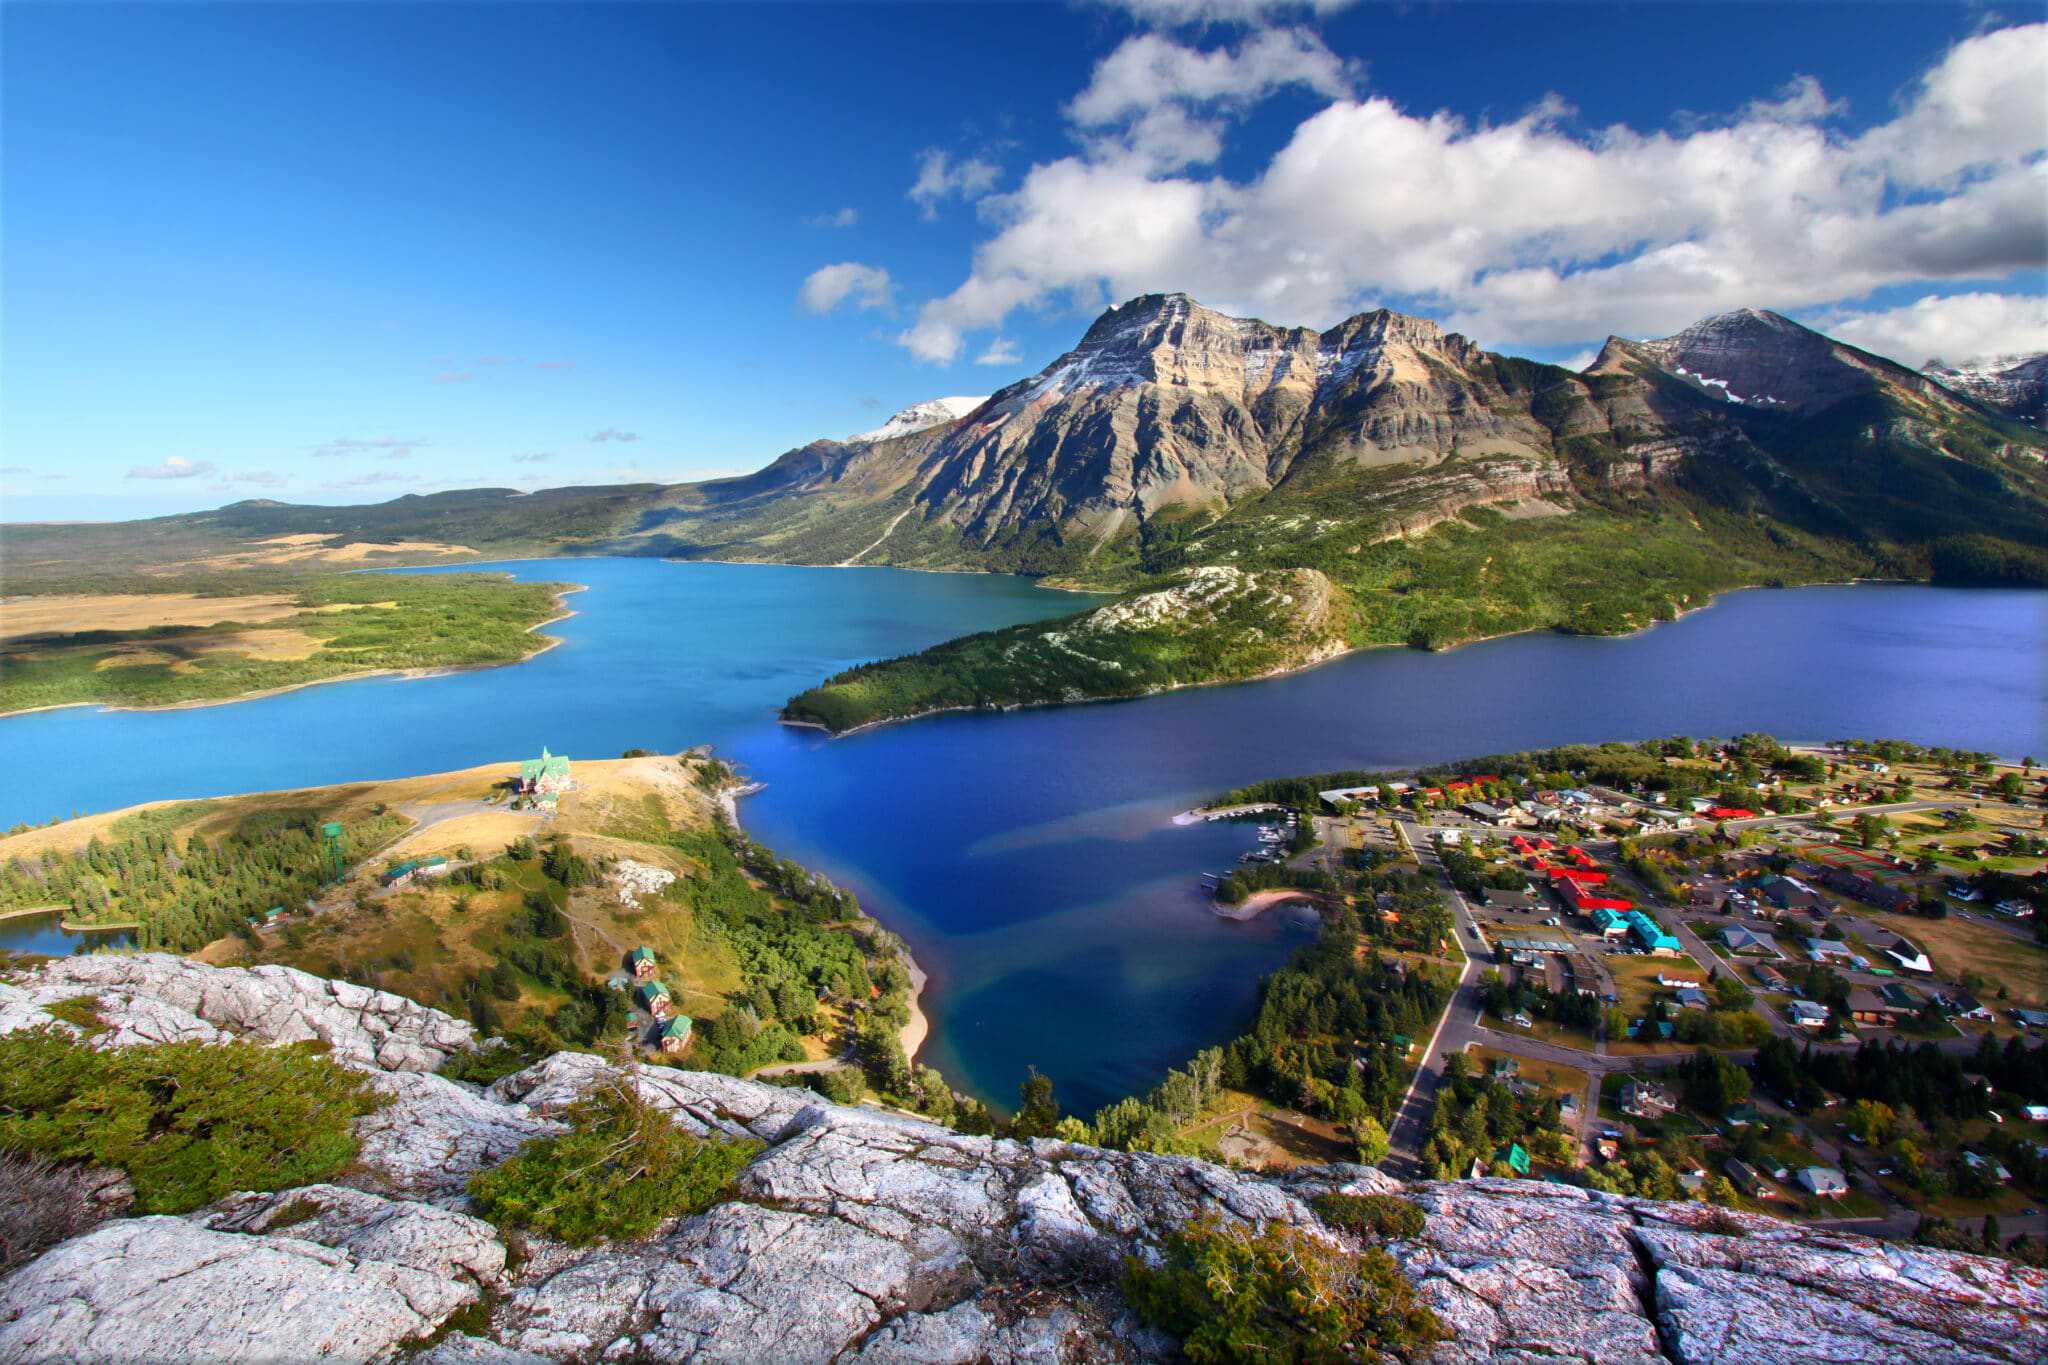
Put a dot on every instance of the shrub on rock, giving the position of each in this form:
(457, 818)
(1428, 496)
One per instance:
(1378, 1217)
(620, 1170)
(187, 1122)
(1277, 1294)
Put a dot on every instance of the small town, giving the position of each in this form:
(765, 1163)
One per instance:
(1808, 981)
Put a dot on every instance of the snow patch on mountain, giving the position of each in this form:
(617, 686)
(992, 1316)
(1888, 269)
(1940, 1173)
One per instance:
(919, 416)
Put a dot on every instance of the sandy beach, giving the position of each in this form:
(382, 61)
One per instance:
(1256, 904)
(919, 1027)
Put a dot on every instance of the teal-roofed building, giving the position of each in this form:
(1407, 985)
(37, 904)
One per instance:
(653, 997)
(547, 775)
(674, 1035)
(1650, 935)
(641, 962)
(1517, 1159)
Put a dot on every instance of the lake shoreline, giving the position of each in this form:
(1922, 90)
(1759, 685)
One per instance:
(1290, 670)
(918, 1027)
(402, 674)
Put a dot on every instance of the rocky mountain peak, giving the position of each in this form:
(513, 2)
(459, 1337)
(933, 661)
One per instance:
(2015, 385)
(920, 417)
(1754, 357)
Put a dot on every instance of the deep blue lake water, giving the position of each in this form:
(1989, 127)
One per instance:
(1027, 857)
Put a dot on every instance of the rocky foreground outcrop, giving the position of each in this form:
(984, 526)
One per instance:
(860, 1235)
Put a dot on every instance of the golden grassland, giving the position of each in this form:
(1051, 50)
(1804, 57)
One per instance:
(70, 613)
(424, 941)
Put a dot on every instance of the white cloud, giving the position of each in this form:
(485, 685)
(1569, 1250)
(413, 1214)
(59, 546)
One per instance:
(1956, 328)
(841, 218)
(940, 177)
(825, 288)
(610, 434)
(1148, 71)
(258, 478)
(453, 377)
(1579, 360)
(1800, 101)
(536, 457)
(176, 467)
(1001, 351)
(1534, 231)
(384, 447)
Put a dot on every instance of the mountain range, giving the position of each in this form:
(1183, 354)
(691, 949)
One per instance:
(1380, 481)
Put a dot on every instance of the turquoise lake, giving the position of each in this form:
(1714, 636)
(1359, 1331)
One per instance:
(1027, 857)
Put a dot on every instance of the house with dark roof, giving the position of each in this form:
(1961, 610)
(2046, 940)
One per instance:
(1788, 893)
(1748, 1180)
(1748, 943)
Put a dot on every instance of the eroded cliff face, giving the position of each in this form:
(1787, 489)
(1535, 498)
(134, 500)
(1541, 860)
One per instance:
(859, 1235)
(1169, 406)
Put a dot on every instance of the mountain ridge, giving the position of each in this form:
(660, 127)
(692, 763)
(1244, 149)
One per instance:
(1445, 492)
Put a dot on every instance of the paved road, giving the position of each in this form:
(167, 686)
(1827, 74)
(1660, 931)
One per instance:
(1455, 1030)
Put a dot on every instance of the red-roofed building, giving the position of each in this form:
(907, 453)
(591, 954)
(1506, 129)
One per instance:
(1586, 902)
(1730, 813)
(1579, 875)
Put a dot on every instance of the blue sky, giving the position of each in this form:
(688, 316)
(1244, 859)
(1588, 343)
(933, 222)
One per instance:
(339, 253)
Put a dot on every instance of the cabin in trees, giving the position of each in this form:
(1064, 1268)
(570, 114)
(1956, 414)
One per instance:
(674, 1034)
(653, 997)
(544, 778)
(641, 963)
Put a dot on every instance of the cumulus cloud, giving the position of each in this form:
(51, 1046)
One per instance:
(384, 447)
(1530, 232)
(1954, 328)
(176, 467)
(610, 434)
(940, 177)
(1001, 351)
(1150, 70)
(1801, 101)
(825, 288)
(840, 218)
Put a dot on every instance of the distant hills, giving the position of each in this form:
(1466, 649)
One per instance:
(1436, 490)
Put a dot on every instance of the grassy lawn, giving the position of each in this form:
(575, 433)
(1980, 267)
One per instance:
(1957, 945)
(1545, 1030)
(1553, 1076)
(1635, 978)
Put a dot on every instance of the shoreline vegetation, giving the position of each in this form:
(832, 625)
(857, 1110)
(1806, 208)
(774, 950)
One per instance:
(527, 923)
(461, 623)
(1477, 577)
